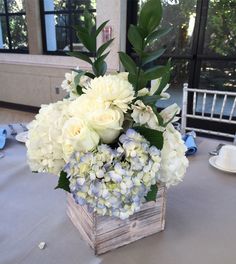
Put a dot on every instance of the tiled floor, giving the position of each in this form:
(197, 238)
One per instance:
(14, 116)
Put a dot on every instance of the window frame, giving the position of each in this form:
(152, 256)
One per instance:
(69, 12)
(196, 57)
(7, 16)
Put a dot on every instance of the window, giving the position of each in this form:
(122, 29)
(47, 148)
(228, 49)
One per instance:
(13, 30)
(201, 45)
(58, 19)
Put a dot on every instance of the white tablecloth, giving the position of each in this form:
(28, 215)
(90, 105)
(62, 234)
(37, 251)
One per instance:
(200, 220)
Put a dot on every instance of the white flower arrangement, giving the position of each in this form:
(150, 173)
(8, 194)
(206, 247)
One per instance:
(107, 141)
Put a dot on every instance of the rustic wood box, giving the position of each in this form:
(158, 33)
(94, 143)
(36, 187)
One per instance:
(104, 233)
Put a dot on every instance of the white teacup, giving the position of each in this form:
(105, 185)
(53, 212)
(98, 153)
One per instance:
(227, 158)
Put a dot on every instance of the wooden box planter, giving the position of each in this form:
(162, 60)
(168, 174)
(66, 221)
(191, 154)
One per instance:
(104, 233)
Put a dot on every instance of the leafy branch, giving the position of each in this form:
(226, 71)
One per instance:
(141, 37)
(87, 34)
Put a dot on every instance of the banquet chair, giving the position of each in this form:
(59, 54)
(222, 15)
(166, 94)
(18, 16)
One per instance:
(211, 99)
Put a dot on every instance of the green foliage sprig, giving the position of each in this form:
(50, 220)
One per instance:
(87, 34)
(141, 37)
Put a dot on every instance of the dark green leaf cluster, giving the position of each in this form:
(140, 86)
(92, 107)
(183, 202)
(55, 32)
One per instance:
(63, 182)
(152, 194)
(87, 34)
(140, 37)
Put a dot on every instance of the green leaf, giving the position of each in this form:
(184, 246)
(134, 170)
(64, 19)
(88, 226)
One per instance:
(153, 56)
(155, 137)
(79, 89)
(103, 47)
(135, 39)
(78, 76)
(165, 77)
(155, 72)
(101, 27)
(88, 21)
(132, 78)
(128, 63)
(90, 75)
(77, 81)
(103, 57)
(141, 81)
(152, 194)
(86, 39)
(149, 99)
(157, 34)
(80, 55)
(63, 182)
(150, 16)
(159, 117)
(100, 66)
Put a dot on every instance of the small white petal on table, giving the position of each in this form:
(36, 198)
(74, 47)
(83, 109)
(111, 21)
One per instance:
(42, 245)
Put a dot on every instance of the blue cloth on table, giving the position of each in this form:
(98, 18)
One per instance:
(190, 144)
(3, 136)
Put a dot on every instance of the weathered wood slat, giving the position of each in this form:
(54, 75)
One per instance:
(104, 233)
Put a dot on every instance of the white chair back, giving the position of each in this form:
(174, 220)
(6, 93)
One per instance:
(211, 99)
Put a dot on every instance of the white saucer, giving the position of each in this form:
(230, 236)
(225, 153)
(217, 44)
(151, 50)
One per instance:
(212, 161)
(22, 137)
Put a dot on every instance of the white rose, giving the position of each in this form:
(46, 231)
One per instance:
(78, 137)
(144, 115)
(169, 113)
(107, 123)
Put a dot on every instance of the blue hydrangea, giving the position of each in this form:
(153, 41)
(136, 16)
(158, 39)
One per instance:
(114, 182)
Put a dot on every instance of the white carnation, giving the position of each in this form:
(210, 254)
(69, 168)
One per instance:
(114, 91)
(173, 160)
(44, 149)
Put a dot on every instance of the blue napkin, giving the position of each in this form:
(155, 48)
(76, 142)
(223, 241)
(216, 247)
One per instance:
(3, 136)
(190, 144)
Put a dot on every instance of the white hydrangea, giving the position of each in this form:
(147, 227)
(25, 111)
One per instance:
(115, 182)
(173, 160)
(114, 91)
(44, 148)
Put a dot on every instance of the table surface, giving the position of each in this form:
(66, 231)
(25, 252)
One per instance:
(200, 219)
